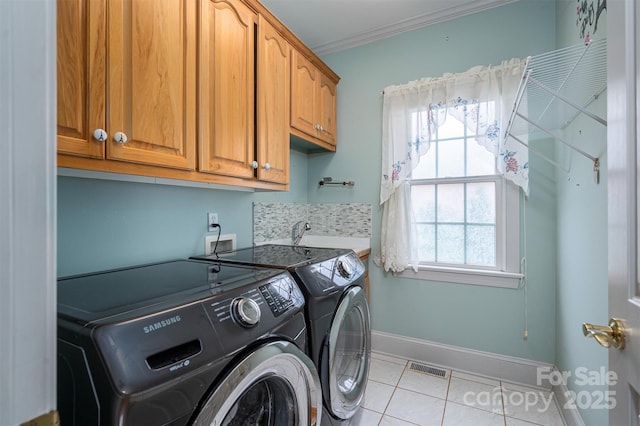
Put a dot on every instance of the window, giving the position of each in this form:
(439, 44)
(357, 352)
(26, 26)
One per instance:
(459, 202)
(467, 213)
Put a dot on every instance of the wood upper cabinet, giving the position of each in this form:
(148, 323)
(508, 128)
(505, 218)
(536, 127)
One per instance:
(244, 83)
(328, 109)
(81, 67)
(196, 90)
(152, 64)
(313, 101)
(138, 70)
(274, 85)
(226, 88)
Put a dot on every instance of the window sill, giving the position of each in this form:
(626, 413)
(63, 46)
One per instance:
(464, 276)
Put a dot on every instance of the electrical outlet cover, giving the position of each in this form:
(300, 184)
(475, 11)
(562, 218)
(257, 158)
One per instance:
(212, 219)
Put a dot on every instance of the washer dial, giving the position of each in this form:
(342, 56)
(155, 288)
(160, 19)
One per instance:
(344, 268)
(245, 311)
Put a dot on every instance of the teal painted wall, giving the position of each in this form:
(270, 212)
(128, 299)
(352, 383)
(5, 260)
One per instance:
(582, 238)
(106, 224)
(482, 318)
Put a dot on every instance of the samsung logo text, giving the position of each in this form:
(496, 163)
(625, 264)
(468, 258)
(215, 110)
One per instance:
(161, 324)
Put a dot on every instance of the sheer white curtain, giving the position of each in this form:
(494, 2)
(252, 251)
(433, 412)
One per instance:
(412, 112)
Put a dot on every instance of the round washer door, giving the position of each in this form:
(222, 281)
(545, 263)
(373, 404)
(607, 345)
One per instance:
(349, 352)
(276, 384)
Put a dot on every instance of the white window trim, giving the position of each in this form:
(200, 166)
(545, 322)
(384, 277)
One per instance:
(508, 274)
(481, 277)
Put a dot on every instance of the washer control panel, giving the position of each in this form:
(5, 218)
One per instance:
(281, 295)
(237, 308)
(334, 274)
(247, 307)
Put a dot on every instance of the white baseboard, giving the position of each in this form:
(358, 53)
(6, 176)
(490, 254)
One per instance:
(511, 369)
(506, 368)
(571, 415)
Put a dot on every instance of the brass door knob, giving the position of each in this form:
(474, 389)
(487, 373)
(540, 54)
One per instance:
(606, 336)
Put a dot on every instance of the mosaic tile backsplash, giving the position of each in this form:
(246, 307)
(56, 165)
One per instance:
(275, 221)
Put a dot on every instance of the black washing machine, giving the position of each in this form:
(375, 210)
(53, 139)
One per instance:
(337, 313)
(184, 343)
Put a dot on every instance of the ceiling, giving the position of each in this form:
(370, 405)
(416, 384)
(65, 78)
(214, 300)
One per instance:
(332, 25)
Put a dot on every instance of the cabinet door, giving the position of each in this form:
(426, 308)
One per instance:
(151, 78)
(81, 67)
(327, 110)
(303, 94)
(226, 88)
(274, 86)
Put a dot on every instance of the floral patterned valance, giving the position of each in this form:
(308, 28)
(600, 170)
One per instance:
(412, 112)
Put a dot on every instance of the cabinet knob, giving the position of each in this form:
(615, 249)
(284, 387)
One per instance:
(120, 137)
(254, 164)
(100, 135)
(266, 166)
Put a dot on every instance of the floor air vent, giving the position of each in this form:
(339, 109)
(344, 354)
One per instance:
(432, 371)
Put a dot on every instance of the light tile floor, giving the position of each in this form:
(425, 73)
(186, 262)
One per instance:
(398, 396)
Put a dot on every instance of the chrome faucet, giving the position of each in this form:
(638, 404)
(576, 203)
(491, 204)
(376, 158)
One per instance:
(297, 233)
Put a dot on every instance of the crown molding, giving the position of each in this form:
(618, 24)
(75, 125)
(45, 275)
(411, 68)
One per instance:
(410, 24)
